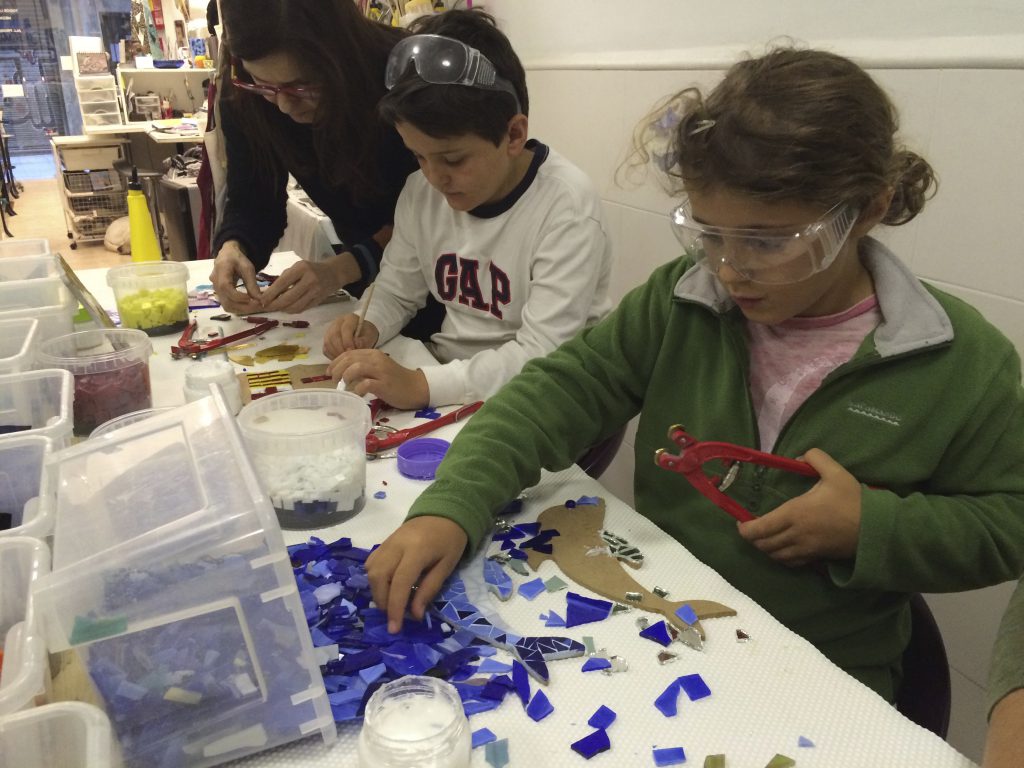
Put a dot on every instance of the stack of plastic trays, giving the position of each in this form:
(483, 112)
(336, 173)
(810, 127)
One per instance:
(22, 458)
(172, 584)
(27, 246)
(33, 286)
(37, 403)
(18, 338)
(25, 675)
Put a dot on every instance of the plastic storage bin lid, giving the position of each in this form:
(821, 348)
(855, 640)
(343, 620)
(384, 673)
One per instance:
(71, 734)
(18, 339)
(37, 403)
(26, 664)
(21, 471)
(161, 533)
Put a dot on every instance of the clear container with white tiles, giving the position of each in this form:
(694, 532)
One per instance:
(66, 734)
(21, 472)
(172, 584)
(25, 676)
(18, 339)
(37, 403)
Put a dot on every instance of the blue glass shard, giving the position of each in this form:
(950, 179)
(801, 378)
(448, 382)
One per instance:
(539, 706)
(497, 579)
(687, 614)
(531, 589)
(371, 674)
(595, 663)
(590, 501)
(667, 703)
(380, 495)
(669, 756)
(583, 610)
(483, 736)
(521, 681)
(593, 744)
(494, 667)
(554, 620)
(527, 529)
(694, 686)
(803, 741)
(602, 718)
(657, 632)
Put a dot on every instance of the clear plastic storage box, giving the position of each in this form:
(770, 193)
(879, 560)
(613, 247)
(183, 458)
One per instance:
(46, 299)
(24, 246)
(172, 584)
(68, 734)
(18, 339)
(25, 675)
(21, 471)
(37, 403)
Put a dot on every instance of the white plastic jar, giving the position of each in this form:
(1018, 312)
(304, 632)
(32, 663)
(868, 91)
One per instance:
(415, 722)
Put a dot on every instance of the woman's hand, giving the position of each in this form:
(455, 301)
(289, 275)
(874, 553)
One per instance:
(230, 266)
(370, 371)
(340, 335)
(414, 560)
(307, 283)
(823, 523)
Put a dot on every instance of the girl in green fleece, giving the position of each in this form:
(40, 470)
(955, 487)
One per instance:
(786, 327)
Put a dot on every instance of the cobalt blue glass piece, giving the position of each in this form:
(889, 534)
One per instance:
(497, 579)
(380, 495)
(668, 702)
(483, 736)
(602, 718)
(803, 741)
(658, 632)
(590, 501)
(595, 663)
(694, 686)
(494, 667)
(521, 681)
(669, 756)
(687, 614)
(428, 413)
(496, 689)
(554, 620)
(593, 744)
(539, 706)
(584, 610)
(514, 507)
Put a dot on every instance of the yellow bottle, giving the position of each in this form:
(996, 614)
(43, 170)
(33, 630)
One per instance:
(143, 238)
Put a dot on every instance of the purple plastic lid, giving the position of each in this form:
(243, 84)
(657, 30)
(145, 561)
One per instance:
(420, 457)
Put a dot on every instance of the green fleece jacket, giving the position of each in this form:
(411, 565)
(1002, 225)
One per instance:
(928, 415)
(1007, 673)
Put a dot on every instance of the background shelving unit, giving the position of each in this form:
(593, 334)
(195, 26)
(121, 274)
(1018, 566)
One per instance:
(93, 192)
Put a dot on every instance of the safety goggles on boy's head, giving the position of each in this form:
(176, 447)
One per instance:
(765, 255)
(443, 60)
(305, 92)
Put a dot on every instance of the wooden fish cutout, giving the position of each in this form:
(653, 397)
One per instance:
(581, 552)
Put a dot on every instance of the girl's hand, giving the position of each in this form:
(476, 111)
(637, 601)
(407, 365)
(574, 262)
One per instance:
(823, 523)
(370, 371)
(307, 283)
(340, 336)
(414, 560)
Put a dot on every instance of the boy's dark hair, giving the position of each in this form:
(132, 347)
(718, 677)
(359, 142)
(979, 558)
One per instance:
(443, 111)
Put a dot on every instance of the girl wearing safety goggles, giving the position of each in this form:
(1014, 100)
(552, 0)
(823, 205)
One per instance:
(785, 326)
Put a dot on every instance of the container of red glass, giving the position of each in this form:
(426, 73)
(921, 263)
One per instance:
(111, 371)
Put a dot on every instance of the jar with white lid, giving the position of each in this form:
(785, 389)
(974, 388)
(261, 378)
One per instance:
(415, 722)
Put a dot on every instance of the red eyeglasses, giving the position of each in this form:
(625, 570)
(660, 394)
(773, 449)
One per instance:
(272, 91)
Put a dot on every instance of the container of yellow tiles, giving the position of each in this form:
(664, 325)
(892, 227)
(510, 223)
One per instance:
(151, 296)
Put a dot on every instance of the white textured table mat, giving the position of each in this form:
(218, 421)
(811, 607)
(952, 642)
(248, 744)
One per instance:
(765, 693)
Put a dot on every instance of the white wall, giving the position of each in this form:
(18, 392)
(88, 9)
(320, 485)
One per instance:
(956, 72)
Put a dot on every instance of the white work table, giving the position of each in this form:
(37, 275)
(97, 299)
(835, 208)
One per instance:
(766, 693)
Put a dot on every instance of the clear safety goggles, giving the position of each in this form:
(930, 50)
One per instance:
(765, 255)
(442, 60)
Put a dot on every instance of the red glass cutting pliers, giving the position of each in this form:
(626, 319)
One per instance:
(189, 347)
(381, 438)
(695, 453)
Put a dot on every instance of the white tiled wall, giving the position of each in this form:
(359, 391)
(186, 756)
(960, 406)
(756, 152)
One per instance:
(965, 121)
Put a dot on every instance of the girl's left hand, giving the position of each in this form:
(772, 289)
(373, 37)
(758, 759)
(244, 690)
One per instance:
(823, 523)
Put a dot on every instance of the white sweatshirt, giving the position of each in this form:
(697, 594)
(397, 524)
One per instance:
(517, 277)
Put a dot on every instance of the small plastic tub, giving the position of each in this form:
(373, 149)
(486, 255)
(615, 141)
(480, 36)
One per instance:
(26, 671)
(308, 447)
(69, 734)
(419, 458)
(18, 339)
(26, 246)
(151, 296)
(22, 458)
(111, 371)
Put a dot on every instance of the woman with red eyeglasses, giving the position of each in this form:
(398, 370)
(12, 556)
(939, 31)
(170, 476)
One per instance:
(301, 80)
